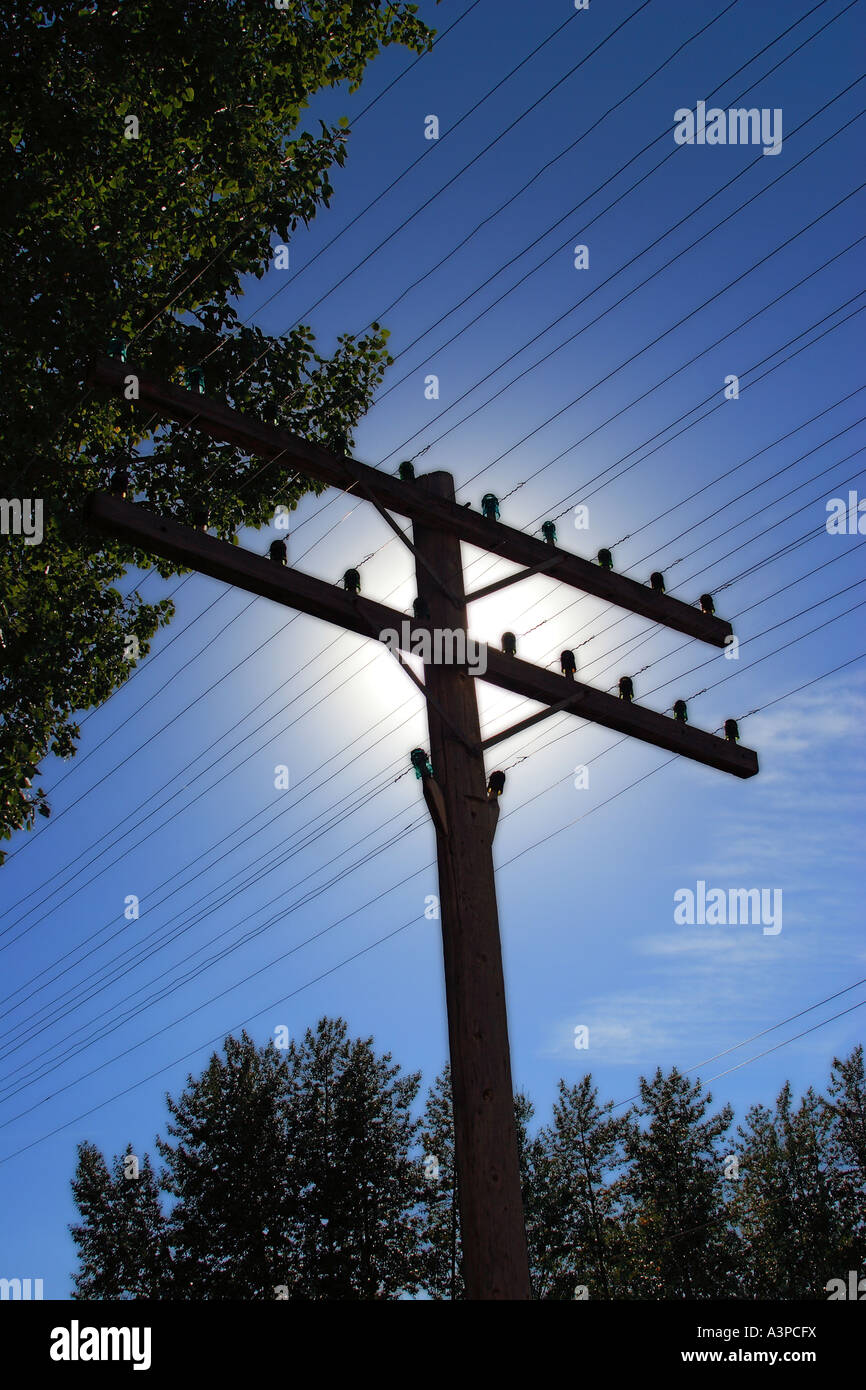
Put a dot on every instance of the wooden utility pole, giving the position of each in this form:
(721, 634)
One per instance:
(485, 1134)
(462, 809)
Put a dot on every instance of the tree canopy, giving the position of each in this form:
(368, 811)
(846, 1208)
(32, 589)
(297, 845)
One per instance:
(290, 1174)
(309, 1172)
(152, 153)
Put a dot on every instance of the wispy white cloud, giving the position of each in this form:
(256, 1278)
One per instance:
(827, 714)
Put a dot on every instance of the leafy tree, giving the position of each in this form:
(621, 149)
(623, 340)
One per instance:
(122, 1239)
(576, 1235)
(844, 1110)
(142, 246)
(530, 1161)
(443, 1251)
(761, 1207)
(230, 1173)
(352, 1136)
(783, 1201)
(292, 1175)
(680, 1242)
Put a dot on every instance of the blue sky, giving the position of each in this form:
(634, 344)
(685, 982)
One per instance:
(317, 893)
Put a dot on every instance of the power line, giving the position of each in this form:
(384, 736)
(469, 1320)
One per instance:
(570, 824)
(713, 396)
(219, 1037)
(206, 909)
(724, 506)
(247, 226)
(721, 681)
(137, 825)
(585, 493)
(697, 744)
(578, 601)
(526, 112)
(105, 847)
(770, 45)
(304, 839)
(664, 135)
(156, 693)
(784, 588)
(252, 222)
(653, 343)
(167, 988)
(489, 146)
(736, 72)
(729, 471)
(510, 201)
(230, 730)
(763, 1033)
(223, 736)
(786, 1041)
(747, 64)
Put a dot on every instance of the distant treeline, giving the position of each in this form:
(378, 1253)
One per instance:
(307, 1173)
